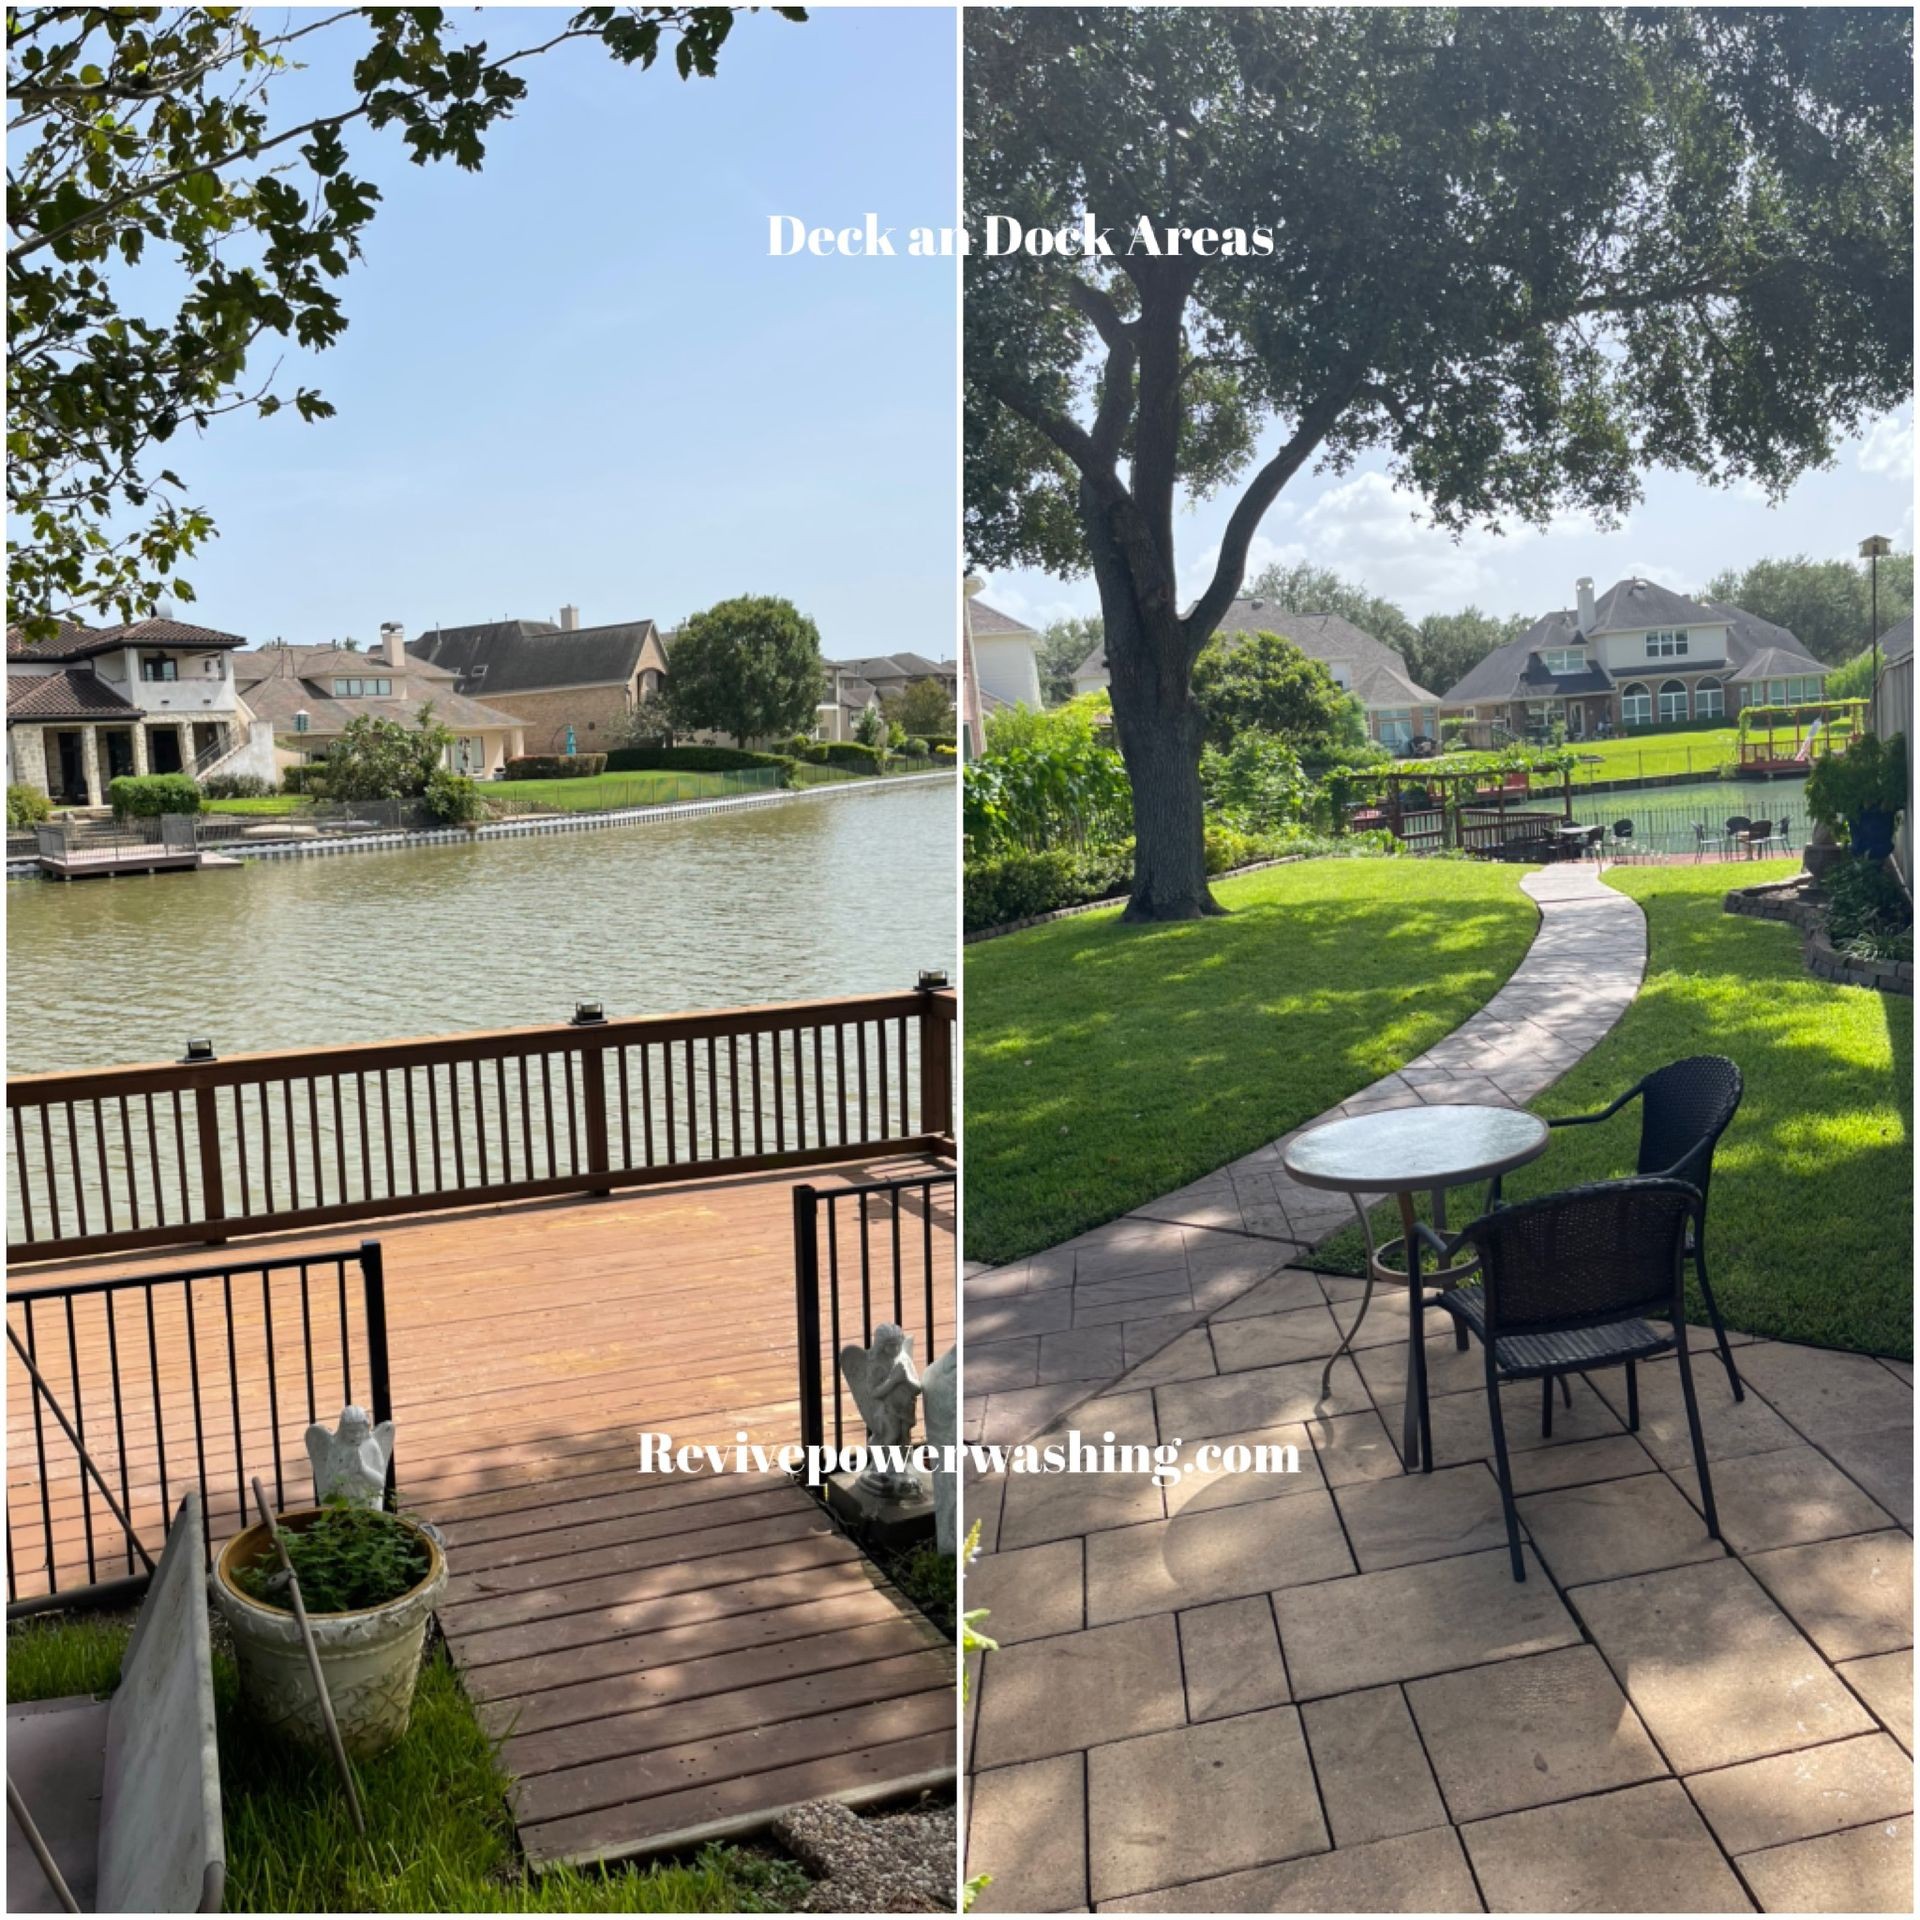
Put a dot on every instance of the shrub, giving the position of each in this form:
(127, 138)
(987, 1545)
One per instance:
(235, 786)
(349, 1558)
(27, 807)
(144, 796)
(563, 766)
(1256, 783)
(1870, 776)
(689, 759)
(846, 753)
(309, 779)
(935, 741)
(915, 746)
(942, 751)
(1019, 885)
(453, 799)
(1864, 902)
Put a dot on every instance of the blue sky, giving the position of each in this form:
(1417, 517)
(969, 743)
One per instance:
(1682, 534)
(577, 376)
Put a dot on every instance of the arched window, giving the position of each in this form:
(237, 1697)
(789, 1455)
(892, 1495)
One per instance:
(1708, 703)
(1673, 700)
(1636, 705)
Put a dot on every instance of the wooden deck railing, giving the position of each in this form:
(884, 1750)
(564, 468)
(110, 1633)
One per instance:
(115, 1158)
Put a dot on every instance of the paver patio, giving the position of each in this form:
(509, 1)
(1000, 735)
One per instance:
(1330, 1695)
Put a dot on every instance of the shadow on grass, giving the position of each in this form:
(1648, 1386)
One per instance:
(1109, 1064)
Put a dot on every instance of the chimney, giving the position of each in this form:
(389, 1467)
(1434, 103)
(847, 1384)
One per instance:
(1584, 588)
(393, 644)
(569, 619)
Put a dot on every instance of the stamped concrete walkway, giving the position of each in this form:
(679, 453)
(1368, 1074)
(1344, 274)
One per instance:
(1323, 1691)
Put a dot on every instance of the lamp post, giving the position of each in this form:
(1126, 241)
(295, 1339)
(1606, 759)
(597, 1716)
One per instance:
(1871, 550)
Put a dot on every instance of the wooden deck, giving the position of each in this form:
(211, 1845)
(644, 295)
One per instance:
(667, 1659)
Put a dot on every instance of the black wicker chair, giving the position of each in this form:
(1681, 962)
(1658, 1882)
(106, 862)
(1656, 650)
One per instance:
(1573, 1282)
(1685, 1107)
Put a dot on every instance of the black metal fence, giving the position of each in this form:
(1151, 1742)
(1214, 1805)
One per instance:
(124, 1392)
(878, 1251)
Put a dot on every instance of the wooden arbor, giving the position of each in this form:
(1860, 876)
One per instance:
(1785, 739)
(1485, 811)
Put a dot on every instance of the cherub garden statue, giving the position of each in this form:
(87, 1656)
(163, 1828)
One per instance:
(350, 1463)
(885, 1387)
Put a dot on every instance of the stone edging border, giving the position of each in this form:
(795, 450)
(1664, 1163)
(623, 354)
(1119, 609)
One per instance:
(1784, 901)
(1116, 899)
(530, 825)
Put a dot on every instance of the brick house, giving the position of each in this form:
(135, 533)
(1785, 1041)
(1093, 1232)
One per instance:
(1639, 656)
(151, 696)
(554, 676)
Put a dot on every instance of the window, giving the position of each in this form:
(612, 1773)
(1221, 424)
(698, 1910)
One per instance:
(1673, 700)
(1805, 688)
(1708, 702)
(1565, 659)
(159, 666)
(1342, 674)
(1667, 646)
(357, 689)
(1636, 705)
(302, 720)
(1393, 726)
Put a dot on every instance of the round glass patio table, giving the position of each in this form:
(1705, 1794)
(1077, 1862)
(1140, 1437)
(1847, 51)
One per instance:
(1404, 1151)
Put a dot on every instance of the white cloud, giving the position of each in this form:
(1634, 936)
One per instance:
(1888, 447)
(999, 591)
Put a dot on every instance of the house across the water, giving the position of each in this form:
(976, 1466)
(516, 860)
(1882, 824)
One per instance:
(154, 696)
(1638, 657)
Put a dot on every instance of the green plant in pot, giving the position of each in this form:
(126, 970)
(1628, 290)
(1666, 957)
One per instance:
(369, 1581)
(1862, 791)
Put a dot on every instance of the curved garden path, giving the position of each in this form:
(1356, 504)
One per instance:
(1049, 1331)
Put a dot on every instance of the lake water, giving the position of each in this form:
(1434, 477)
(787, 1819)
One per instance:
(849, 894)
(1664, 817)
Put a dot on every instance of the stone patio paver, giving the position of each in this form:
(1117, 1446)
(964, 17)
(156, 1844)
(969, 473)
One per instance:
(1614, 1528)
(1031, 1822)
(1374, 1778)
(1397, 1625)
(1730, 1427)
(1528, 1732)
(1054, 1506)
(1250, 1774)
(1032, 1592)
(1643, 1850)
(1230, 1652)
(1849, 1597)
(1578, 1463)
(1044, 1697)
(1352, 1448)
(1796, 1796)
(1414, 1517)
(1867, 1870)
(1201, 1489)
(1714, 1668)
(1417, 1873)
(1885, 1682)
(1783, 1499)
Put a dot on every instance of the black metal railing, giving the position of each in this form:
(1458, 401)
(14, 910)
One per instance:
(124, 1392)
(863, 1254)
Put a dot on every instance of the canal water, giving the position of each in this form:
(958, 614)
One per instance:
(849, 894)
(1664, 818)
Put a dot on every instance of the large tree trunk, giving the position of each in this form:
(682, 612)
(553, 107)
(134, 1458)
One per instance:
(1160, 732)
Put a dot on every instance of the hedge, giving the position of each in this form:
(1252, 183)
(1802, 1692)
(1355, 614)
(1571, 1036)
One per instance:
(556, 766)
(1018, 886)
(689, 760)
(143, 796)
(846, 753)
(309, 778)
(27, 806)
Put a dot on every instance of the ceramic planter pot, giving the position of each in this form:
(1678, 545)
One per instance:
(1871, 831)
(370, 1657)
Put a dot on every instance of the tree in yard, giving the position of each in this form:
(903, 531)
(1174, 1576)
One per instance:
(1305, 588)
(920, 707)
(1825, 604)
(1263, 683)
(1516, 254)
(376, 759)
(147, 134)
(1448, 646)
(748, 667)
(1062, 646)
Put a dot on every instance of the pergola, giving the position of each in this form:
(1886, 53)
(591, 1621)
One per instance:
(1783, 739)
(1483, 810)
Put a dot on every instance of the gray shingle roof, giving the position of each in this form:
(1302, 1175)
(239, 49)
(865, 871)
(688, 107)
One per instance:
(278, 682)
(1897, 642)
(73, 693)
(522, 656)
(1334, 640)
(990, 620)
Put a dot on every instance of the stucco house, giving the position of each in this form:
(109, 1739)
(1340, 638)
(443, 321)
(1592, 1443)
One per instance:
(312, 694)
(1638, 656)
(1397, 707)
(554, 675)
(150, 696)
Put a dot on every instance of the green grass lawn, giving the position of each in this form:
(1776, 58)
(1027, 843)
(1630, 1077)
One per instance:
(439, 1837)
(653, 788)
(1107, 1064)
(1811, 1225)
(269, 803)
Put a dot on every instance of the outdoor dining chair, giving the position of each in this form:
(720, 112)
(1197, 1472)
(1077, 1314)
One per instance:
(1685, 1107)
(1706, 841)
(1737, 825)
(1571, 1283)
(1759, 835)
(1623, 839)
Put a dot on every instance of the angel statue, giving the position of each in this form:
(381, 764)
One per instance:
(885, 1386)
(350, 1463)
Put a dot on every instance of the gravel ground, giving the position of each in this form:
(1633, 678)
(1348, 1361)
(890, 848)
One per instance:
(892, 1863)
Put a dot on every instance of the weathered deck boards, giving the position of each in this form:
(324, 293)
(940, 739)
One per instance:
(667, 1658)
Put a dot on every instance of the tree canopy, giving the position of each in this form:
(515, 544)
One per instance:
(1063, 644)
(1264, 683)
(749, 667)
(1516, 254)
(1827, 605)
(148, 135)
(920, 707)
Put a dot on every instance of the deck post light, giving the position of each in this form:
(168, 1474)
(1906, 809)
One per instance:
(198, 1053)
(932, 980)
(588, 1013)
